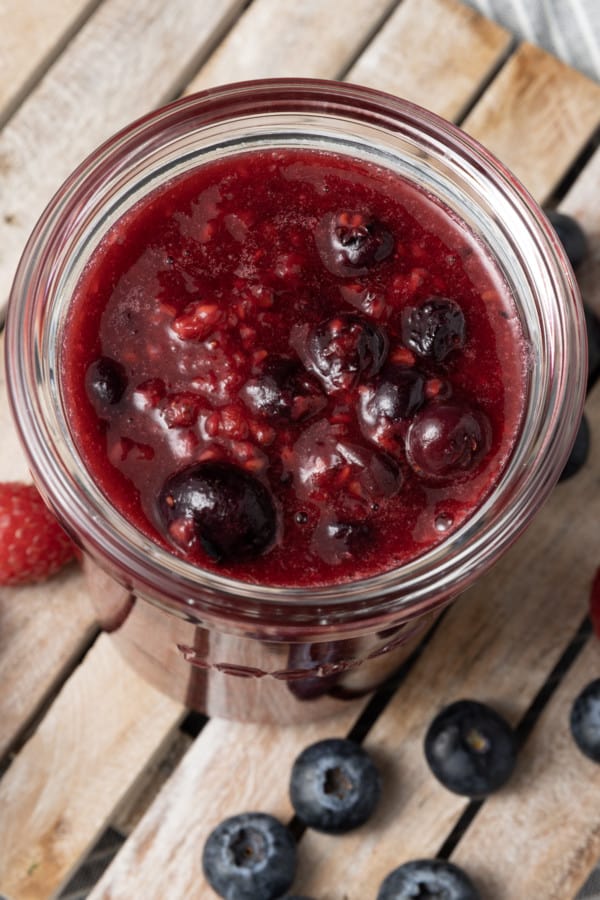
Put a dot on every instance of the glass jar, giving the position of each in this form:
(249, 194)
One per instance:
(221, 645)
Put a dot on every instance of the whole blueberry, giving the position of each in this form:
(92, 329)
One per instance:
(447, 440)
(251, 856)
(579, 453)
(334, 786)
(585, 720)
(105, 381)
(386, 404)
(435, 328)
(352, 243)
(220, 506)
(470, 748)
(283, 390)
(571, 235)
(344, 349)
(427, 878)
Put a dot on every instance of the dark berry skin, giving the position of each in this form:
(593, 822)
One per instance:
(337, 540)
(434, 329)
(433, 878)
(105, 381)
(282, 391)
(225, 509)
(447, 440)
(470, 749)
(251, 856)
(334, 786)
(343, 350)
(352, 243)
(571, 235)
(387, 402)
(579, 453)
(585, 720)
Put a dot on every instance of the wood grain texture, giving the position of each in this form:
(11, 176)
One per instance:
(130, 56)
(231, 768)
(408, 58)
(31, 32)
(541, 836)
(536, 117)
(105, 726)
(285, 38)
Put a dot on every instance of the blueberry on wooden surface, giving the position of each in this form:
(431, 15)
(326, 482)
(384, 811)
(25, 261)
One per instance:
(105, 381)
(334, 786)
(427, 878)
(585, 720)
(571, 235)
(579, 453)
(221, 507)
(470, 748)
(251, 856)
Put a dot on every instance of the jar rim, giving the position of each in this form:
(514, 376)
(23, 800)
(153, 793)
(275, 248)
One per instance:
(429, 579)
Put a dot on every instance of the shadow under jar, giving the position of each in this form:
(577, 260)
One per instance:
(313, 622)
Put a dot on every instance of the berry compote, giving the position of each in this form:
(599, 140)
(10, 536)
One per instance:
(294, 368)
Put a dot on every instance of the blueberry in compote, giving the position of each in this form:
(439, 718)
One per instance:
(388, 402)
(219, 507)
(282, 390)
(427, 878)
(447, 440)
(352, 243)
(435, 328)
(335, 540)
(470, 748)
(105, 381)
(344, 349)
(251, 856)
(334, 785)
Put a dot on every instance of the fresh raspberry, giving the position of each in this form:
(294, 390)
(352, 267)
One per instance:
(33, 546)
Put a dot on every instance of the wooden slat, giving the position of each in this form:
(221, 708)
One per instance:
(408, 58)
(130, 56)
(103, 729)
(31, 31)
(43, 630)
(536, 117)
(232, 767)
(541, 837)
(291, 39)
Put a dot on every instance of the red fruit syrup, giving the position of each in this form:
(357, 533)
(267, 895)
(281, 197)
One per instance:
(293, 368)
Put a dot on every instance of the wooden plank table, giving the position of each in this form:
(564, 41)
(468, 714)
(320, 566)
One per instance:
(90, 755)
